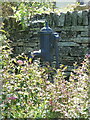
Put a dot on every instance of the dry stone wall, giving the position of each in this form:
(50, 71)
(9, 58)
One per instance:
(73, 28)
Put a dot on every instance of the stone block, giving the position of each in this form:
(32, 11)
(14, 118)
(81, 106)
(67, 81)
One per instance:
(61, 20)
(84, 34)
(69, 44)
(85, 45)
(20, 44)
(27, 49)
(67, 60)
(35, 33)
(79, 28)
(68, 19)
(52, 19)
(79, 18)
(85, 17)
(56, 20)
(72, 28)
(30, 44)
(74, 18)
(14, 44)
(19, 49)
(81, 40)
(64, 51)
(77, 51)
(68, 34)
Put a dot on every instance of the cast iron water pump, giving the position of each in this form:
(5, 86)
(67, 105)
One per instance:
(48, 45)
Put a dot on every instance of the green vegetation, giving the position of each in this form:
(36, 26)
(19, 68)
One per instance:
(24, 11)
(28, 93)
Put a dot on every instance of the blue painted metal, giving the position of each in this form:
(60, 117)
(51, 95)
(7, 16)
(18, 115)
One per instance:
(56, 39)
(48, 45)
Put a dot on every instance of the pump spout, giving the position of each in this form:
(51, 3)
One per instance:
(36, 53)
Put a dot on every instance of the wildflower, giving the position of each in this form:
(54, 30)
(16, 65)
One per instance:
(12, 98)
(20, 62)
(50, 102)
(87, 55)
(54, 109)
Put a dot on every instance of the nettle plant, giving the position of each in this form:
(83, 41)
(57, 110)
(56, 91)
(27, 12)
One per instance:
(28, 93)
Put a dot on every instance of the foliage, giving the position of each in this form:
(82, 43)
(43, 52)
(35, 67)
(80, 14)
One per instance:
(6, 8)
(28, 93)
(25, 11)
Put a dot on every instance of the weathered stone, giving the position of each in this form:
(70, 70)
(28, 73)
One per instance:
(61, 20)
(56, 20)
(68, 44)
(19, 50)
(64, 51)
(77, 51)
(85, 45)
(74, 18)
(31, 44)
(72, 28)
(66, 40)
(85, 17)
(67, 60)
(52, 23)
(78, 35)
(68, 19)
(79, 18)
(84, 34)
(20, 44)
(65, 35)
(79, 28)
(81, 40)
(28, 49)
(14, 44)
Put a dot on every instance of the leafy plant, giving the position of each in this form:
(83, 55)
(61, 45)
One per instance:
(26, 11)
(28, 93)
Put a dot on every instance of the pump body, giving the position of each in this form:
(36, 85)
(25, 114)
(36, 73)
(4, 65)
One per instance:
(48, 45)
